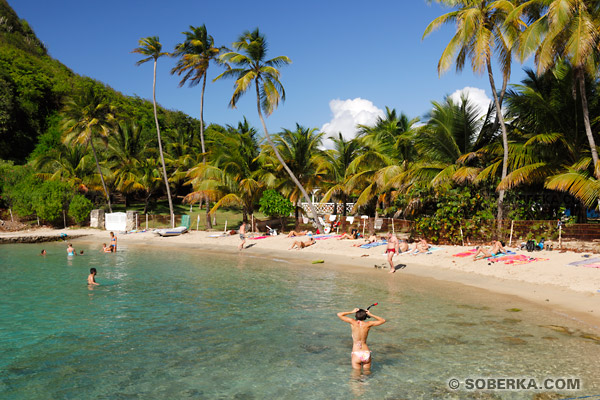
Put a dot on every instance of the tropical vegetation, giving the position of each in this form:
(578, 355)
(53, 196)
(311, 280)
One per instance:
(69, 143)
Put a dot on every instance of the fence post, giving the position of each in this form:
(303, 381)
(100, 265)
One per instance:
(198, 223)
(560, 236)
(512, 223)
(146, 221)
(65, 219)
(462, 238)
(393, 230)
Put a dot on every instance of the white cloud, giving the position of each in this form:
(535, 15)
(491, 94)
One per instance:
(347, 114)
(476, 96)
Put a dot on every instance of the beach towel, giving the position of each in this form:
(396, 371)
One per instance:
(586, 261)
(258, 237)
(591, 265)
(518, 259)
(325, 237)
(467, 253)
(374, 244)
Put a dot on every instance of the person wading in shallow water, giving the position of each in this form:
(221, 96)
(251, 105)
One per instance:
(361, 355)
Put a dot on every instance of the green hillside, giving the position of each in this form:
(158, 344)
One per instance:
(34, 86)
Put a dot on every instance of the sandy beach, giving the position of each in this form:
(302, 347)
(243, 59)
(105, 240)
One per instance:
(552, 283)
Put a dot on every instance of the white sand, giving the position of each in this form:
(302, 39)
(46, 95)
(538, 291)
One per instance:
(573, 290)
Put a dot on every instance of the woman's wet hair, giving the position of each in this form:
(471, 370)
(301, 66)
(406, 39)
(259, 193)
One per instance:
(361, 315)
(92, 270)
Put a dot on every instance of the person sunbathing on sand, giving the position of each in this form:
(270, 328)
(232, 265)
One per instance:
(371, 239)
(298, 244)
(353, 235)
(294, 233)
(496, 248)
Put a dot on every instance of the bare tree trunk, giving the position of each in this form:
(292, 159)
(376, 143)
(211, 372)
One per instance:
(162, 157)
(208, 221)
(500, 117)
(586, 121)
(101, 175)
(285, 166)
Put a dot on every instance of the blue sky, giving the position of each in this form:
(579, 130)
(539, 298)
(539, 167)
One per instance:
(367, 55)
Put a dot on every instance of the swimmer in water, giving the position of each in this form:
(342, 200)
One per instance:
(70, 250)
(106, 249)
(43, 253)
(361, 355)
(92, 277)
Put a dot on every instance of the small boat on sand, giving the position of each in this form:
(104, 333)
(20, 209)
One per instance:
(172, 231)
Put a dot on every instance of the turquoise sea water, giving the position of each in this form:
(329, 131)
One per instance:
(178, 325)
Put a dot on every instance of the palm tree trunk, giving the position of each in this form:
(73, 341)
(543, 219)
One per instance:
(586, 121)
(208, 222)
(500, 118)
(101, 175)
(160, 149)
(285, 166)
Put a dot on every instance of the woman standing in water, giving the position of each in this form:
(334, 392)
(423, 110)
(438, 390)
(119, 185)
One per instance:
(361, 355)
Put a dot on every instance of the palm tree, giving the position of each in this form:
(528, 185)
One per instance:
(566, 30)
(151, 48)
(87, 116)
(69, 164)
(195, 54)
(481, 28)
(234, 176)
(338, 162)
(448, 142)
(300, 151)
(251, 66)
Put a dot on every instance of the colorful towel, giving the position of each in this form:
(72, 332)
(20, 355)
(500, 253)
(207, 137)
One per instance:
(258, 237)
(586, 261)
(518, 259)
(373, 244)
(591, 265)
(326, 237)
(467, 253)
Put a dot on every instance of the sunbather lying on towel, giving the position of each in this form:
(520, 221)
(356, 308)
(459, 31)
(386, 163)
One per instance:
(298, 244)
(353, 235)
(371, 239)
(419, 246)
(299, 233)
(495, 248)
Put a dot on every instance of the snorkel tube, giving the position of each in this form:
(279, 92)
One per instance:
(372, 305)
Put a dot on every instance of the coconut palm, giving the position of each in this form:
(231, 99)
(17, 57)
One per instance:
(69, 164)
(566, 30)
(481, 29)
(300, 149)
(252, 67)
(87, 116)
(338, 162)
(381, 167)
(151, 48)
(448, 142)
(195, 55)
(234, 176)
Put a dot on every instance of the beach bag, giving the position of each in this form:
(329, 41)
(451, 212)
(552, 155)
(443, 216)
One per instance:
(530, 245)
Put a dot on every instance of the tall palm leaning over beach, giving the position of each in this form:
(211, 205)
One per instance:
(566, 30)
(195, 55)
(87, 115)
(251, 66)
(480, 28)
(151, 48)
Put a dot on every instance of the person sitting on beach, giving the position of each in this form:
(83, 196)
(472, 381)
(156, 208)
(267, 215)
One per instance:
(353, 235)
(106, 249)
(298, 244)
(361, 355)
(419, 246)
(294, 233)
(495, 248)
(403, 245)
(43, 253)
(393, 247)
(92, 277)
(70, 250)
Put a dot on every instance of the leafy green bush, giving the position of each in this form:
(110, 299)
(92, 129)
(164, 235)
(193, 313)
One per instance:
(80, 208)
(50, 199)
(274, 204)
